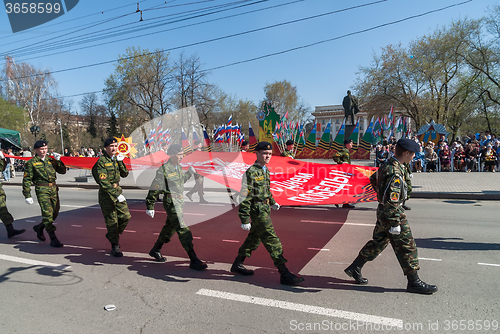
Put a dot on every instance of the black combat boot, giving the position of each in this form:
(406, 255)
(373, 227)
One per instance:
(348, 206)
(54, 242)
(196, 263)
(189, 195)
(116, 251)
(203, 200)
(287, 277)
(12, 232)
(354, 270)
(39, 231)
(239, 268)
(415, 285)
(155, 252)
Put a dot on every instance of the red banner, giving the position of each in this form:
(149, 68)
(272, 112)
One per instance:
(293, 182)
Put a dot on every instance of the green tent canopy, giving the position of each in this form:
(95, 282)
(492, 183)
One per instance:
(11, 136)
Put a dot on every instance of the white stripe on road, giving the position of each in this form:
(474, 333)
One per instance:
(489, 264)
(230, 240)
(428, 259)
(319, 249)
(81, 206)
(334, 223)
(33, 262)
(302, 308)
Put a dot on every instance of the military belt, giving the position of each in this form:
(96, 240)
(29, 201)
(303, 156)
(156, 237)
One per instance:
(266, 201)
(177, 196)
(46, 184)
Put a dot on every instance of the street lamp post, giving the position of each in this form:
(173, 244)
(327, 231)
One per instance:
(34, 130)
(62, 144)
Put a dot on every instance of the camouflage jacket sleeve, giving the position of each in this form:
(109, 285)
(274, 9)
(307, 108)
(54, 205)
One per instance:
(157, 187)
(27, 178)
(3, 164)
(186, 176)
(123, 169)
(58, 165)
(246, 191)
(374, 180)
(342, 156)
(393, 191)
(104, 178)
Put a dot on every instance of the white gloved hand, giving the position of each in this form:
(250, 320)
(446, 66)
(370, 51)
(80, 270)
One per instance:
(192, 170)
(246, 227)
(395, 230)
(120, 157)
(121, 198)
(1, 155)
(29, 200)
(276, 206)
(57, 156)
(150, 213)
(411, 175)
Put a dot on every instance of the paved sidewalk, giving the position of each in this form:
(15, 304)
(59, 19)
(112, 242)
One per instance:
(445, 185)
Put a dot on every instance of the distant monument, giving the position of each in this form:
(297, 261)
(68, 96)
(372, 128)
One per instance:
(350, 105)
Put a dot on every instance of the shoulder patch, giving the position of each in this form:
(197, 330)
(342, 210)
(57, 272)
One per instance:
(394, 196)
(102, 176)
(396, 183)
(172, 174)
(259, 178)
(108, 164)
(37, 164)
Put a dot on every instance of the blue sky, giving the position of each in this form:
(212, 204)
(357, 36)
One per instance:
(322, 73)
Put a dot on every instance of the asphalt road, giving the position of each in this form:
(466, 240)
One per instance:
(48, 290)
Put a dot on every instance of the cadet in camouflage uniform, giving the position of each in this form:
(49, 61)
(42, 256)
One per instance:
(5, 215)
(107, 172)
(288, 152)
(41, 171)
(169, 180)
(408, 176)
(392, 225)
(255, 216)
(344, 157)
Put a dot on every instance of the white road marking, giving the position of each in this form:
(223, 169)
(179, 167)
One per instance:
(30, 221)
(196, 238)
(302, 308)
(429, 259)
(489, 264)
(334, 223)
(100, 228)
(34, 262)
(319, 249)
(210, 204)
(230, 240)
(194, 214)
(93, 206)
(76, 225)
(308, 208)
(129, 231)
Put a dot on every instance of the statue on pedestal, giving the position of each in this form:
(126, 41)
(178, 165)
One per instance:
(350, 104)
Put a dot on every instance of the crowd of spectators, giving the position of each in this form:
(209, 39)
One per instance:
(479, 152)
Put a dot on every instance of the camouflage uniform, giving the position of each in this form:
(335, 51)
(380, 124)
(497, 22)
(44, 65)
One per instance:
(256, 207)
(5, 216)
(287, 153)
(408, 174)
(169, 180)
(42, 173)
(389, 182)
(342, 156)
(107, 172)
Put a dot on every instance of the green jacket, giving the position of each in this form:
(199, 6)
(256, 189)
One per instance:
(256, 188)
(107, 172)
(389, 183)
(3, 164)
(342, 156)
(37, 171)
(169, 180)
(287, 153)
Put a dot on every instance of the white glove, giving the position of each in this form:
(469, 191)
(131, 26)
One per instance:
(29, 200)
(192, 170)
(395, 230)
(120, 157)
(57, 156)
(121, 198)
(246, 227)
(150, 213)
(1, 155)
(411, 175)
(276, 206)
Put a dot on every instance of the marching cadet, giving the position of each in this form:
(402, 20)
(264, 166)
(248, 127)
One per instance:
(5, 215)
(288, 152)
(344, 157)
(169, 180)
(245, 146)
(255, 216)
(41, 171)
(107, 172)
(392, 225)
(408, 176)
(198, 180)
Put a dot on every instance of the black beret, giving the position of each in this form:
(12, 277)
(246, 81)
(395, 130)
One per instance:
(347, 141)
(40, 143)
(244, 143)
(289, 142)
(408, 144)
(263, 145)
(174, 149)
(110, 141)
